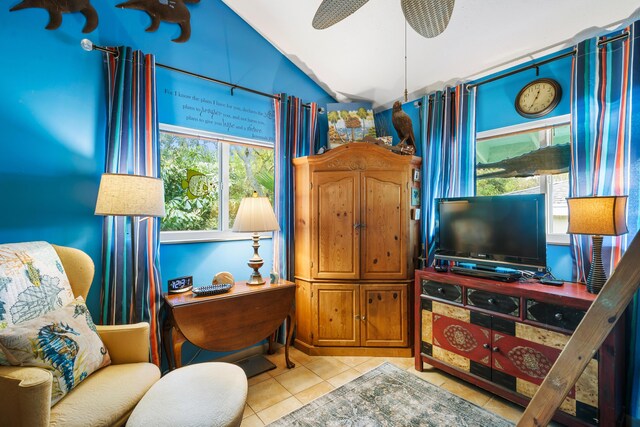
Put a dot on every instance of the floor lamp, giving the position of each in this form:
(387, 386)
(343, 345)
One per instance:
(598, 216)
(130, 195)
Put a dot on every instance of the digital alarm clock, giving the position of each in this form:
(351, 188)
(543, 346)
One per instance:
(180, 284)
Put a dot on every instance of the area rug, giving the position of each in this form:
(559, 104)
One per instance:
(389, 396)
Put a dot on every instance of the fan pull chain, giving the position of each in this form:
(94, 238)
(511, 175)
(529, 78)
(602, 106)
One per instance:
(406, 93)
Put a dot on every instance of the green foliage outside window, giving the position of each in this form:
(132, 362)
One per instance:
(499, 186)
(178, 154)
(249, 168)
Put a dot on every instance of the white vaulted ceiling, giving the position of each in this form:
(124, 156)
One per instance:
(362, 57)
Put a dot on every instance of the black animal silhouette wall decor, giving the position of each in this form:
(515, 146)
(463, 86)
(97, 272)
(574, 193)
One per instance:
(174, 11)
(57, 7)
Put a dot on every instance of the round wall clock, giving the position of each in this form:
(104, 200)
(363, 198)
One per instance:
(538, 98)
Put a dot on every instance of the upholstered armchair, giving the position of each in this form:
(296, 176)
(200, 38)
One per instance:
(105, 398)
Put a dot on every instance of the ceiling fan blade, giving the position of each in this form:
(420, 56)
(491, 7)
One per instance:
(428, 17)
(333, 11)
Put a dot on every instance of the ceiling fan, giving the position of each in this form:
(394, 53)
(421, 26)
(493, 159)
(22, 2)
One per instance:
(428, 17)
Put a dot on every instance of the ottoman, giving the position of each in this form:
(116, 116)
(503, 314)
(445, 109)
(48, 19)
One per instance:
(205, 394)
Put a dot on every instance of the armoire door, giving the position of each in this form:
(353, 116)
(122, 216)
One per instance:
(337, 315)
(335, 251)
(383, 313)
(383, 225)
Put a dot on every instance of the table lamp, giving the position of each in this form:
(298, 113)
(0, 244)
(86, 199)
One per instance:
(255, 215)
(130, 195)
(598, 216)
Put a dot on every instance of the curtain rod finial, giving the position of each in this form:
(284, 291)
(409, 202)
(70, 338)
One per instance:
(86, 45)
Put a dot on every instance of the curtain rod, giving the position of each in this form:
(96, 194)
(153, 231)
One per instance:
(572, 52)
(519, 70)
(89, 46)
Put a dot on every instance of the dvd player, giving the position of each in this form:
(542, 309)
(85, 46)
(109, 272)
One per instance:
(495, 275)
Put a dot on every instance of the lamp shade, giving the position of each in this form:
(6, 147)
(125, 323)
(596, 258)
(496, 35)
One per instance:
(598, 215)
(130, 195)
(255, 214)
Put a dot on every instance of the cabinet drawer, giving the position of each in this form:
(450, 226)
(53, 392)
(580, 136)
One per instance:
(494, 302)
(554, 315)
(442, 290)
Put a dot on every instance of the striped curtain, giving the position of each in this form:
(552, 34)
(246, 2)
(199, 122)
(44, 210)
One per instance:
(604, 90)
(296, 136)
(448, 139)
(305, 126)
(131, 286)
(605, 95)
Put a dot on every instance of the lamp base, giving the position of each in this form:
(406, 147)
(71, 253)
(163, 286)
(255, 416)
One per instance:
(597, 277)
(255, 262)
(256, 277)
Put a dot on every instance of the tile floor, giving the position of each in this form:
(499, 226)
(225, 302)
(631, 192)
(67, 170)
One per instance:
(275, 393)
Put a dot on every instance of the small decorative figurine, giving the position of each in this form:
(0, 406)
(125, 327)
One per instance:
(57, 7)
(173, 11)
(222, 278)
(403, 125)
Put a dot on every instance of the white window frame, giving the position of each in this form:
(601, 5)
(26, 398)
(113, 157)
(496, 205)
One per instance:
(198, 236)
(552, 238)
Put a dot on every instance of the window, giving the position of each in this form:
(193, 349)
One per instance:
(527, 161)
(205, 178)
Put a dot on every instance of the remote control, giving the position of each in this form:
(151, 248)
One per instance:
(552, 282)
(203, 291)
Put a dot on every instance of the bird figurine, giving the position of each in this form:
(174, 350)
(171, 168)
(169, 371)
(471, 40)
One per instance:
(404, 127)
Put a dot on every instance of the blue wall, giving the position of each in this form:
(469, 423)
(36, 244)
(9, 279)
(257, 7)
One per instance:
(203, 260)
(495, 101)
(495, 109)
(52, 112)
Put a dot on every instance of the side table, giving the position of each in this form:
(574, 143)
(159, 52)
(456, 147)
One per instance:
(231, 321)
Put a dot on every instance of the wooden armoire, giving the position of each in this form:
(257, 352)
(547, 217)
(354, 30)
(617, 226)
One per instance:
(356, 242)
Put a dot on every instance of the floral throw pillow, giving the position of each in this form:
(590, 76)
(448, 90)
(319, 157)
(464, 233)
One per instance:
(64, 341)
(32, 282)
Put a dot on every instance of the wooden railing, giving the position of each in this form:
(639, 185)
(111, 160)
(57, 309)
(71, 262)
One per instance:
(598, 322)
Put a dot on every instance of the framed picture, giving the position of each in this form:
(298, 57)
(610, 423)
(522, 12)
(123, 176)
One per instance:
(349, 122)
(415, 196)
(415, 214)
(416, 175)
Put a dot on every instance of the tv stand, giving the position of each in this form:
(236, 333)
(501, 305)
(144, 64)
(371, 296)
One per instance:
(504, 338)
(487, 273)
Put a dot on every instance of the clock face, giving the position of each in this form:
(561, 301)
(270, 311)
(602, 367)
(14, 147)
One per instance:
(538, 98)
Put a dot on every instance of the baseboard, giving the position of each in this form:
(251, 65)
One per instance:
(353, 351)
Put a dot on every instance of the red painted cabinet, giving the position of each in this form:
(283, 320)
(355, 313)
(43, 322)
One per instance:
(465, 339)
(505, 337)
(520, 358)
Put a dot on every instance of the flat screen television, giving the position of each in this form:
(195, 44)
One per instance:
(493, 231)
